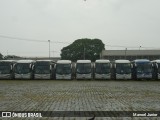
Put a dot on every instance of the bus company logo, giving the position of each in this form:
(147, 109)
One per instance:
(6, 114)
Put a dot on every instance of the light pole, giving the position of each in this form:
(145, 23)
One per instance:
(49, 47)
(84, 52)
(125, 52)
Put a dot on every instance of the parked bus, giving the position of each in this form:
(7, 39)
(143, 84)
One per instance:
(63, 70)
(6, 69)
(84, 69)
(156, 69)
(23, 69)
(122, 69)
(142, 69)
(102, 69)
(43, 69)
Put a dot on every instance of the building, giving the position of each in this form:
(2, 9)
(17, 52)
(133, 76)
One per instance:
(130, 54)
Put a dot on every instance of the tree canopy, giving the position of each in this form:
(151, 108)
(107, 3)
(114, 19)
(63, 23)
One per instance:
(83, 49)
(1, 56)
(8, 57)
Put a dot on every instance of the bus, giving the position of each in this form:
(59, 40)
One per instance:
(43, 69)
(23, 69)
(156, 69)
(102, 69)
(63, 70)
(6, 69)
(142, 69)
(122, 69)
(84, 69)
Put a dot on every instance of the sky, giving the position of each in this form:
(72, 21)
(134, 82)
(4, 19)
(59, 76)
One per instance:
(27, 25)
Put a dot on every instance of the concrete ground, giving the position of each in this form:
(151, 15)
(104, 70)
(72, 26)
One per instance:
(51, 95)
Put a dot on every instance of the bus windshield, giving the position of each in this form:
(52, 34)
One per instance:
(22, 68)
(102, 68)
(84, 68)
(123, 68)
(42, 67)
(63, 69)
(5, 68)
(144, 67)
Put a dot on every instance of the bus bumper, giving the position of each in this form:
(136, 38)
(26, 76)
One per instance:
(123, 76)
(5, 76)
(63, 77)
(144, 76)
(102, 76)
(42, 76)
(83, 76)
(158, 75)
(23, 76)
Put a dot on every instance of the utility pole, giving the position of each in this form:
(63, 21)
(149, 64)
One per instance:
(49, 47)
(84, 52)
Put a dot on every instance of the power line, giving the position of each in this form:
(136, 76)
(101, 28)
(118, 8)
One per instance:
(31, 40)
(121, 46)
(52, 41)
(131, 46)
(24, 39)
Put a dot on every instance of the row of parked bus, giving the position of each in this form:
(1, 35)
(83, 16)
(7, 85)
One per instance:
(82, 69)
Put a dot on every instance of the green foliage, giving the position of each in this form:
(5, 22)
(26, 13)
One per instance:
(1, 56)
(75, 51)
(8, 57)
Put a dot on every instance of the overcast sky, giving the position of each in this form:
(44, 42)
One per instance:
(128, 23)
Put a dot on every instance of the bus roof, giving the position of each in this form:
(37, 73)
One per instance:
(157, 61)
(64, 61)
(44, 61)
(141, 60)
(122, 61)
(83, 61)
(102, 61)
(25, 61)
(7, 60)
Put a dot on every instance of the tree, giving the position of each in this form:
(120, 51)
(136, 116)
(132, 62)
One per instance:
(8, 57)
(1, 56)
(83, 49)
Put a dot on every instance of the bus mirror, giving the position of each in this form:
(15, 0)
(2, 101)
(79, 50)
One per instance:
(32, 67)
(50, 67)
(135, 65)
(55, 66)
(157, 65)
(110, 65)
(11, 67)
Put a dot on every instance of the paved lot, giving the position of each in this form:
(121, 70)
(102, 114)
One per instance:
(45, 95)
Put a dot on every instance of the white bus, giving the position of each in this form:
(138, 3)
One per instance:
(23, 69)
(102, 69)
(43, 69)
(63, 70)
(84, 69)
(122, 69)
(6, 69)
(156, 69)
